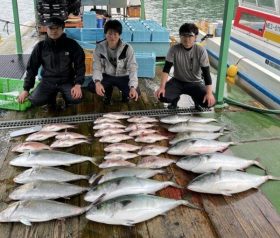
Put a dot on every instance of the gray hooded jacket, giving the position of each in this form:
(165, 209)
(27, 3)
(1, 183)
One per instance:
(126, 63)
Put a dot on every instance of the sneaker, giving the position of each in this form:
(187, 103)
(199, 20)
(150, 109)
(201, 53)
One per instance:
(173, 105)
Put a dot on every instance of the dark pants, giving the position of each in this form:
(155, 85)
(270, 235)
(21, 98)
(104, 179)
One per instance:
(45, 93)
(109, 82)
(175, 88)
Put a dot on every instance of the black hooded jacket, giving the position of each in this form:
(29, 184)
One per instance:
(62, 60)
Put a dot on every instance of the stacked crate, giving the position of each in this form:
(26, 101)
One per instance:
(146, 64)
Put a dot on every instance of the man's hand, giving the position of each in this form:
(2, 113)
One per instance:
(23, 95)
(99, 88)
(76, 91)
(133, 94)
(209, 97)
(160, 92)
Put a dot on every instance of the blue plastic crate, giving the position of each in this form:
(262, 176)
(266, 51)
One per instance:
(146, 64)
(89, 20)
(73, 33)
(92, 34)
(141, 35)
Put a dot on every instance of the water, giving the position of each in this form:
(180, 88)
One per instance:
(178, 12)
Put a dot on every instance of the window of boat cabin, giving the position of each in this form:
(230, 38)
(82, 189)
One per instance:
(265, 4)
(253, 22)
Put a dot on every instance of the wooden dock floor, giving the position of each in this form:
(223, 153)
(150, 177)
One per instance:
(248, 214)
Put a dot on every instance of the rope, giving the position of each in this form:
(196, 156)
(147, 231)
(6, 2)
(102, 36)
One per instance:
(6, 25)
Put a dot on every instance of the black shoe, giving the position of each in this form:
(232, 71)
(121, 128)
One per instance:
(107, 101)
(173, 105)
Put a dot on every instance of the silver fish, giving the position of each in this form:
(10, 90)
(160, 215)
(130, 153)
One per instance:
(115, 115)
(57, 127)
(131, 209)
(193, 126)
(120, 156)
(126, 186)
(121, 147)
(142, 119)
(194, 135)
(41, 135)
(212, 162)
(30, 146)
(68, 143)
(154, 162)
(109, 131)
(46, 190)
(105, 120)
(49, 158)
(47, 174)
(227, 182)
(39, 211)
(142, 132)
(107, 125)
(69, 135)
(150, 138)
(198, 146)
(112, 173)
(174, 119)
(115, 138)
(116, 163)
(136, 126)
(152, 150)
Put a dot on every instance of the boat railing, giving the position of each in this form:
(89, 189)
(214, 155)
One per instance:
(272, 7)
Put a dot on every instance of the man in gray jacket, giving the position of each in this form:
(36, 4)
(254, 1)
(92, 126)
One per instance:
(114, 66)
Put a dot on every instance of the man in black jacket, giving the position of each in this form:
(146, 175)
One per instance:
(63, 68)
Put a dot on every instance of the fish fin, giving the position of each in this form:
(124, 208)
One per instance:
(99, 199)
(219, 171)
(225, 193)
(128, 223)
(25, 222)
(258, 164)
(68, 198)
(92, 178)
(188, 204)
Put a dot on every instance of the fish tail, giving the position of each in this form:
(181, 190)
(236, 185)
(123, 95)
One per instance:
(271, 177)
(188, 204)
(258, 164)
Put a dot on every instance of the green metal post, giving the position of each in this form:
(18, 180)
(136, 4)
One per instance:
(17, 27)
(164, 12)
(224, 47)
(143, 17)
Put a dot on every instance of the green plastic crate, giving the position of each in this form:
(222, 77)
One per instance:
(9, 91)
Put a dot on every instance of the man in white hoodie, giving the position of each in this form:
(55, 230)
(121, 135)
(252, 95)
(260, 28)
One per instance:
(114, 66)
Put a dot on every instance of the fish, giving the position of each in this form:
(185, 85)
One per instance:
(30, 146)
(195, 135)
(107, 125)
(136, 126)
(112, 173)
(69, 135)
(227, 182)
(47, 174)
(41, 135)
(142, 132)
(49, 158)
(154, 162)
(25, 131)
(117, 116)
(68, 143)
(211, 162)
(194, 126)
(142, 119)
(174, 119)
(126, 186)
(131, 209)
(115, 163)
(120, 156)
(152, 150)
(150, 138)
(121, 147)
(39, 211)
(198, 146)
(109, 131)
(100, 120)
(114, 138)
(46, 190)
(57, 127)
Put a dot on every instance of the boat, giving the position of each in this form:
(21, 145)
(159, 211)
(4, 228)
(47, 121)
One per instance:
(254, 48)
